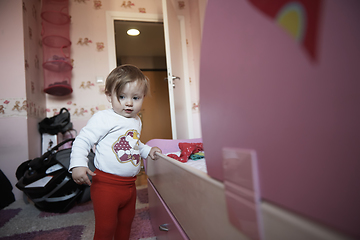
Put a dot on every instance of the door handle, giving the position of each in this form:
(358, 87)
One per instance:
(172, 78)
(164, 227)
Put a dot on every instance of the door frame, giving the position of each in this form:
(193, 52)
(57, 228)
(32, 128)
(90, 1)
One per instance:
(168, 16)
(111, 16)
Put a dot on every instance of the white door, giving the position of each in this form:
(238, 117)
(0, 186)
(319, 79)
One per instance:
(178, 78)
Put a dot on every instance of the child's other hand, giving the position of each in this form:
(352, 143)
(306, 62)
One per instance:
(153, 151)
(79, 174)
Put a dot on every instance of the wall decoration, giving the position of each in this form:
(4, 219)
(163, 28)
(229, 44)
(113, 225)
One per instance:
(142, 10)
(127, 4)
(100, 46)
(97, 4)
(195, 106)
(31, 104)
(37, 62)
(103, 107)
(57, 47)
(34, 110)
(85, 42)
(300, 19)
(34, 12)
(26, 65)
(92, 110)
(55, 111)
(32, 87)
(102, 89)
(13, 107)
(18, 107)
(30, 33)
(79, 112)
(88, 84)
(181, 4)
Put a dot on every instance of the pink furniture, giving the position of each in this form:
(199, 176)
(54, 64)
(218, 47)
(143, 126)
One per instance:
(290, 109)
(299, 113)
(186, 203)
(55, 33)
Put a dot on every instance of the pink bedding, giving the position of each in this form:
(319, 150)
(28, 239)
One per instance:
(171, 148)
(170, 145)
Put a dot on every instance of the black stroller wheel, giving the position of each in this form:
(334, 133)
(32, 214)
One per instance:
(20, 171)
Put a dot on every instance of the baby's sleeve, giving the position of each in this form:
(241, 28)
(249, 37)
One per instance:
(144, 150)
(85, 141)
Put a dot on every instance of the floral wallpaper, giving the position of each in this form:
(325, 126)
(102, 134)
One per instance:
(89, 58)
(34, 104)
(89, 53)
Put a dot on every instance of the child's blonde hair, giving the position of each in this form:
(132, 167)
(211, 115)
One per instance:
(120, 76)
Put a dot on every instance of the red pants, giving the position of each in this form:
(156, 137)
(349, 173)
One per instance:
(114, 199)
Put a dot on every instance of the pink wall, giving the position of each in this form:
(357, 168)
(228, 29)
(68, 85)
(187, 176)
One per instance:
(12, 50)
(20, 33)
(261, 90)
(33, 52)
(90, 63)
(13, 139)
(20, 42)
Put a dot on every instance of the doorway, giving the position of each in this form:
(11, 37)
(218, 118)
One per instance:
(147, 51)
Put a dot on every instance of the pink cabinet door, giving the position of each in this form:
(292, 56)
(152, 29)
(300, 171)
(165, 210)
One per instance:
(300, 116)
(163, 222)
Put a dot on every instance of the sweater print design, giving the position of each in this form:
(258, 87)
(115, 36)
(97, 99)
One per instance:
(126, 148)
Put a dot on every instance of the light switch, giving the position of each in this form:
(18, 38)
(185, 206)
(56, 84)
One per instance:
(99, 79)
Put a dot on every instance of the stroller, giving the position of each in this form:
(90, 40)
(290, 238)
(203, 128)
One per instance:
(47, 182)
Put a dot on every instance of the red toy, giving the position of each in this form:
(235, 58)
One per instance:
(186, 150)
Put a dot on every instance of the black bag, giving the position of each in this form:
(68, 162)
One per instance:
(58, 123)
(47, 182)
(7, 196)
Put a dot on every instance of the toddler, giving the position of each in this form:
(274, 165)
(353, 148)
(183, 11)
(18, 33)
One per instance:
(115, 133)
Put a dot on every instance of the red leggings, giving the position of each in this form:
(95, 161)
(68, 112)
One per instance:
(114, 199)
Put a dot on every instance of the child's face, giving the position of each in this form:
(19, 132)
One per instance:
(130, 100)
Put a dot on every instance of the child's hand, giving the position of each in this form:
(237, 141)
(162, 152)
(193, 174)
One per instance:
(79, 174)
(153, 151)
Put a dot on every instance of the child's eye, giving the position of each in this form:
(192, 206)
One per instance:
(121, 97)
(136, 98)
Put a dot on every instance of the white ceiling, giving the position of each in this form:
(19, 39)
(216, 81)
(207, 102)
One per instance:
(150, 42)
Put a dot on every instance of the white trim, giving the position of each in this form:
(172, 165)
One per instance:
(186, 78)
(169, 70)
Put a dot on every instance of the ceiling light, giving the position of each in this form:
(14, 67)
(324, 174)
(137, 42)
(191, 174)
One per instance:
(133, 32)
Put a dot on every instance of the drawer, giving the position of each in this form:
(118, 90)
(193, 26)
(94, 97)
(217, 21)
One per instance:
(164, 224)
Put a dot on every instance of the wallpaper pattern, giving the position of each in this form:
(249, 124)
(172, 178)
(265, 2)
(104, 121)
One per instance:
(89, 58)
(89, 53)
